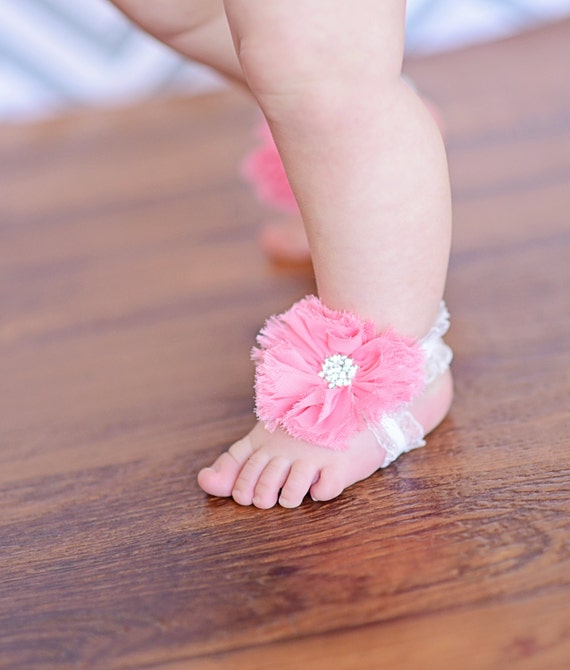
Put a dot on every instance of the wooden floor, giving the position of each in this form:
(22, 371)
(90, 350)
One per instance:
(131, 289)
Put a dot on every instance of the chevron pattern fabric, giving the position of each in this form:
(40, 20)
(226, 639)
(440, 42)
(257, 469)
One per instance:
(445, 24)
(56, 54)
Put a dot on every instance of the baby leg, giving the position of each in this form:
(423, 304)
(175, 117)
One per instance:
(198, 29)
(368, 168)
(283, 238)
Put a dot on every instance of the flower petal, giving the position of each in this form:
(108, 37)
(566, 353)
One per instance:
(291, 350)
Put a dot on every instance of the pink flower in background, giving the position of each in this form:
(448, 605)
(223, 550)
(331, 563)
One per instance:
(263, 169)
(323, 374)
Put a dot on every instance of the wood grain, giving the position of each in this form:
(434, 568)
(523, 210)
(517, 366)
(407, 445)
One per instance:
(131, 289)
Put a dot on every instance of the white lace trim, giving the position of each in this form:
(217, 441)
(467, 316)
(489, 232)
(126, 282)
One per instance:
(438, 354)
(399, 432)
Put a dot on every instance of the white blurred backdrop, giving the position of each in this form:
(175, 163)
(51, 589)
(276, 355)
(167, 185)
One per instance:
(61, 54)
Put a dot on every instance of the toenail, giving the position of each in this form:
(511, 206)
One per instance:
(288, 504)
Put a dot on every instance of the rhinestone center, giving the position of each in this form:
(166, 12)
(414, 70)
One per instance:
(338, 370)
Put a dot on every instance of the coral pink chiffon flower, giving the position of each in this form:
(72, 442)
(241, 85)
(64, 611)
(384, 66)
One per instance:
(324, 375)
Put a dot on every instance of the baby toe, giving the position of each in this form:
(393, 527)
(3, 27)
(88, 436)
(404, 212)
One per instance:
(219, 479)
(241, 450)
(329, 485)
(270, 482)
(247, 480)
(298, 483)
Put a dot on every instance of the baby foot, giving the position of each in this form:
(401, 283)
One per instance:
(285, 241)
(266, 468)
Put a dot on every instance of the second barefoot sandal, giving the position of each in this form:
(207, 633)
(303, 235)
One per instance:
(324, 375)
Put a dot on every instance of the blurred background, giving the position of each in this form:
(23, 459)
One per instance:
(56, 55)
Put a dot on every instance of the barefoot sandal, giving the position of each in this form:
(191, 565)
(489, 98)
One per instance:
(324, 375)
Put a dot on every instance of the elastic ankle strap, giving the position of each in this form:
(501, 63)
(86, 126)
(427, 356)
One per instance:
(400, 432)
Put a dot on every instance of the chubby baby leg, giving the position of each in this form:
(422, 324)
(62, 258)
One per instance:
(366, 163)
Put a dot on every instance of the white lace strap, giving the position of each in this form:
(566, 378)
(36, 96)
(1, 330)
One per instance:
(399, 432)
(438, 354)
